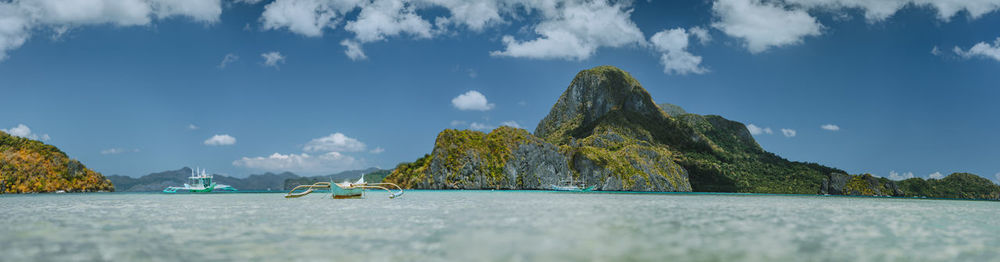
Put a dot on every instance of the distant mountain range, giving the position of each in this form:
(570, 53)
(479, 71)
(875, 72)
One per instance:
(257, 182)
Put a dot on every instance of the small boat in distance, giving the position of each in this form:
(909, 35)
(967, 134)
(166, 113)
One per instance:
(345, 189)
(199, 182)
(569, 185)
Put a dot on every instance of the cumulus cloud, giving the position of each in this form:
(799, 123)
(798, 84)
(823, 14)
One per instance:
(830, 127)
(305, 17)
(220, 140)
(763, 25)
(353, 51)
(900, 176)
(574, 30)
(24, 131)
(457, 122)
(479, 126)
(379, 19)
(19, 20)
(118, 150)
(228, 59)
(511, 123)
(701, 33)
(788, 132)
(472, 100)
(982, 50)
(272, 59)
(377, 150)
(776, 23)
(756, 130)
(935, 175)
(879, 10)
(192, 127)
(336, 142)
(301, 163)
(672, 44)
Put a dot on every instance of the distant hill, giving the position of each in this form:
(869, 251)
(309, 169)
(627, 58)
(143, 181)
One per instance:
(30, 166)
(257, 182)
(372, 175)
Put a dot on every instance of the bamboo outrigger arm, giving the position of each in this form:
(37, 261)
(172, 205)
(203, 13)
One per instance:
(309, 189)
(382, 186)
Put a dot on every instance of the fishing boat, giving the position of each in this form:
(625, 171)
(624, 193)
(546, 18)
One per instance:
(199, 182)
(569, 185)
(345, 189)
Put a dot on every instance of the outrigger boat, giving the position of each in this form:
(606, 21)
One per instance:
(345, 189)
(569, 185)
(199, 182)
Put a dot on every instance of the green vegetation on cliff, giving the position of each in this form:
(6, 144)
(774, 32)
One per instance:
(609, 132)
(957, 185)
(28, 166)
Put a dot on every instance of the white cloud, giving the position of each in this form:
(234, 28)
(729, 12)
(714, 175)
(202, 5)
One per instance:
(476, 15)
(574, 30)
(763, 25)
(457, 122)
(756, 130)
(301, 163)
(935, 175)
(305, 17)
(220, 140)
(788, 132)
(701, 33)
(511, 123)
(479, 126)
(830, 127)
(272, 59)
(897, 176)
(379, 19)
(879, 10)
(377, 150)
(354, 51)
(192, 127)
(118, 150)
(336, 142)
(936, 51)
(229, 58)
(981, 49)
(20, 19)
(22, 130)
(472, 100)
(997, 176)
(672, 44)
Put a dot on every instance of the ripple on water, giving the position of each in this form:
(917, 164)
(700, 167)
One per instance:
(495, 226)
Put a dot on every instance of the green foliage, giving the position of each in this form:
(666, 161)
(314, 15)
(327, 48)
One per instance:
(28, 166)
(407, 175)
(957, 185)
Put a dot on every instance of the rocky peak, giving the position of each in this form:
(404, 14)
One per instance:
(592, 94)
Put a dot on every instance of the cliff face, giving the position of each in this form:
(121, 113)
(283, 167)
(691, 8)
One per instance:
(607, 131)
(506, 158)
(30, 166)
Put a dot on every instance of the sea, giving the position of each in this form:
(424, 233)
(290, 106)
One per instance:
(494, 226)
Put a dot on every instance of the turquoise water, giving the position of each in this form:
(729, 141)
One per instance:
(494, 226)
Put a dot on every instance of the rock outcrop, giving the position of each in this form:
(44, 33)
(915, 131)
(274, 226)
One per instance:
(606, 130)
(859, 185)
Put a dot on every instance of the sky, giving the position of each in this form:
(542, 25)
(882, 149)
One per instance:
(896, 88)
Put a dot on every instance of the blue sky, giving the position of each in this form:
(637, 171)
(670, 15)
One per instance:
(132, 87)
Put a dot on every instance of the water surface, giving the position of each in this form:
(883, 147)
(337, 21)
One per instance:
(494, 226)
